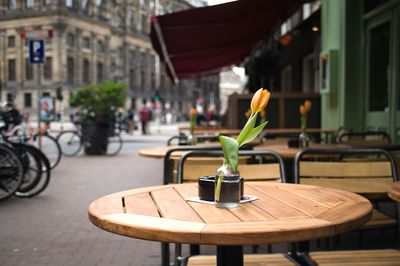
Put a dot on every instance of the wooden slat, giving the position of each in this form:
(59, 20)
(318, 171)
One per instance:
(380, 219)
(208, 213)
(141, 204)
(356, 185)
(366, 143)
(274, 207)
(267, 171)
(152, 228)
(171, 205)
(357, 257)
(249, 260)
(346, 169)
(323, 198)
(304, 205)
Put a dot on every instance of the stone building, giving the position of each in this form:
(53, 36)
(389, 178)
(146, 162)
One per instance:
(93, 41)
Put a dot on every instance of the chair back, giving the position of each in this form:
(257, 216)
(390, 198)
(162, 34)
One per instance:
(253, 165)
(363, 171)
(365, 139)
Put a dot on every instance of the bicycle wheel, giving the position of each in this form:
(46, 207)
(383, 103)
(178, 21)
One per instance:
(114, 145)
(44, 180)
(31, 164)
(11, 171)
(49, 146)
(70, 142)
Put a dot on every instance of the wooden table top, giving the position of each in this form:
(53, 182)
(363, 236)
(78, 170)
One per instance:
(394, 191)
(290, 152)
(158, 152)
(273, 131)
(283, 213)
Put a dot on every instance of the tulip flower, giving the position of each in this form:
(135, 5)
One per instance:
(193, 115)
(307, 105)
(260, 100)
(304, 109)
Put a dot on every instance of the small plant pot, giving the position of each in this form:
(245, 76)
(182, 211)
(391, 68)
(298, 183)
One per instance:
(230, 192)
(207, 188)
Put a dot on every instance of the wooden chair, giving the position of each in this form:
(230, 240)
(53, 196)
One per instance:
(254, 166)
(368, 172)
(365, 139)
(385, 257)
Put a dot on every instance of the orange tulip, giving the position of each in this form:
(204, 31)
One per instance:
(303, 110)
(307, 105)
(192, 112)
(260, 100)
(262, 114)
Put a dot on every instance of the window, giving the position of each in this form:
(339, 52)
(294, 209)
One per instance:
(71, 40)
(46, 94)
(85, 72)
(27, 100)
(47, 2)
(11, 41)
(11, 70)
(143, 23)
(12, 4)
(69, 3)
(10, 97)
(100, 47)
(28, 70)
(70, 70)
(29, 3)
(48, 68)
(99, 2)
(86, 43)
(99, 72)
(84, 4)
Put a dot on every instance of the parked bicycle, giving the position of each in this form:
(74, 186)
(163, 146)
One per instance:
(24, 169)
(72, 141)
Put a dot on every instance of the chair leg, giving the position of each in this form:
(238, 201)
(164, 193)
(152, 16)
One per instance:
(164, 254)
(194, 250)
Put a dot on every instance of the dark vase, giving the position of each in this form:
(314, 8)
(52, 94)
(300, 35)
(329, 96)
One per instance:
(95, 137)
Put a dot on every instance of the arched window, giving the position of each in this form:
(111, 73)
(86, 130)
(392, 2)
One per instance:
(85, 71)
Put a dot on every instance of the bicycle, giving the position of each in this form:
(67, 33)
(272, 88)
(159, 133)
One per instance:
(40, 139)
(72, 141)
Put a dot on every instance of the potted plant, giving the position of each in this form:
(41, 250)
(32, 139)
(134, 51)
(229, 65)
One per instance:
(97, 103)
(228, 180)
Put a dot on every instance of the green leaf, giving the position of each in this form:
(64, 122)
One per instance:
(246, 129)
(230, 148)
(254, 133)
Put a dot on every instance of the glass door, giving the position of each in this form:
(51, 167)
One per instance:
(382, 61)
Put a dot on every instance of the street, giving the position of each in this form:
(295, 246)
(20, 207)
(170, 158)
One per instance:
(53, 228)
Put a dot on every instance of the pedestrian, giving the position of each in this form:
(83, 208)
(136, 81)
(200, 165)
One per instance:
(130, 121)
(144, 114)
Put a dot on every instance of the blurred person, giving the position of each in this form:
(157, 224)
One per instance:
(144, 114)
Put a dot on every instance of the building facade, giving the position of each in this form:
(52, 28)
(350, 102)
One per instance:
(93, 41)
(360, 52)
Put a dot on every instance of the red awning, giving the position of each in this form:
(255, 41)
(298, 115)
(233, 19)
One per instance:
(205, 40)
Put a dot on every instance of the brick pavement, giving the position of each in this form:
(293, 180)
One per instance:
(53, 228)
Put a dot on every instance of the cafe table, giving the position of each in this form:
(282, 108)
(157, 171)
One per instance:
(394, 191)
(290, 152)
(159, 152)
(282, 213)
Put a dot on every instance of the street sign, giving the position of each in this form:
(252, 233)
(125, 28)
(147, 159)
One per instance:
(36, 34)
(36, 51)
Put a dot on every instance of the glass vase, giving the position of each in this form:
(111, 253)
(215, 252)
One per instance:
(304, 140)
(228, 188)
(191, 139)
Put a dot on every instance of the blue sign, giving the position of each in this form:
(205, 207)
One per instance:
(36, 51)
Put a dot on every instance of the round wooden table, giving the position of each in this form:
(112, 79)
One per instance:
(159, 152)
(290, 152)
(282, 213)
(394, 191)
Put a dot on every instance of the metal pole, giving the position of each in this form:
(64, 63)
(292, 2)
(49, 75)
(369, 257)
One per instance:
(39, 91)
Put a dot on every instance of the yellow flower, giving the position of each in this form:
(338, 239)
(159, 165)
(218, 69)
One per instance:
(260, 100)
(307, 105)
